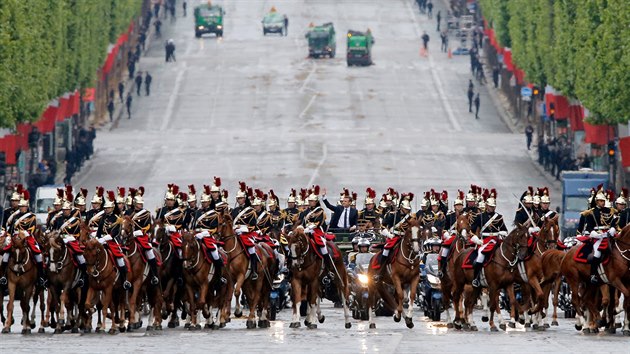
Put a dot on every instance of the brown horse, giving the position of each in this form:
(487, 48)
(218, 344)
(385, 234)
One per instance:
(171, 292)
(256, 291)
(22, 278)
(201, 278)
(499, 274)
(63, 275)
(462, 226)
(104, 285)
(404, 272)
(142, 288)
(615, 271)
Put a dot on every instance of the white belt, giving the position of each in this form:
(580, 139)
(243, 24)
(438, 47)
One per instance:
(602, 227)
(399, 233)
(487, 234)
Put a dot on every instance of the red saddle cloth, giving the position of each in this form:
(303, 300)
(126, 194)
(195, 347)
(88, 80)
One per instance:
(561, 246)
(115, 249)
(449, 241)
(74, 247)
(586, 249)
(210, 244)
(472, 255)
(32, 244)
(247, 239)
(374, 262)
(317, 237)
(143, 242)
(332, 249)
(176, 239)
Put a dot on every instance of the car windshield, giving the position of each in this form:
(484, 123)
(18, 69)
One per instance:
(273, 19)
(209, 13)
(363, 259)
(42, 205)
(432, 262)
(318, 41)
(575, 203)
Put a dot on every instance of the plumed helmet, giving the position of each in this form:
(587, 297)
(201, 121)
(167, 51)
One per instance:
(16, 195)
(459, 200)
(364, 242)
(110, 199)
(216, 187)
(623, 195)
(205, 195)
(129, 198)
(536, 199)
(120, 196)
(192, 193)
(24, 199)
(171, 192)
(139, 197)
(406, 201)
(370, 195)
(601, 195)
(242, 190)
(292, 196)
(544, 198)
(58, 197)
(98, 196)
(81, 197)
(224, 196)
(273, 199)
(471, 197)
(491, 200)
(314, 193)
(260, 198)
(182, 199)
(67, 203)
(435, 198)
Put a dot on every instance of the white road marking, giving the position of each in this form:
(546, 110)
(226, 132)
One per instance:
(308, 78)
(319, 165)
(171, 101)
(308, 106)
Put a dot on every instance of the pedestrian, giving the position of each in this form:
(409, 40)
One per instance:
(170, 50)
(425, 40)
(529, 133)
(156, 9)
(132, 69)
(158, 25)
(286, 25)
(143, 39)
(495, 76)
(438, 18)
(430, 8)
(172, 11)
(111, 94)
(121, 91)
(147, 83)
(471, 94)
(477, 102)
(444, 38)
(138, 82)
(184, 5)
(110, 109)
(129, 100)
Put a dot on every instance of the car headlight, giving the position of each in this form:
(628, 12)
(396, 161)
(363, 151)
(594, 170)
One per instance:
(201, 27)
(219, 27)
(363, 279)
(433, 280)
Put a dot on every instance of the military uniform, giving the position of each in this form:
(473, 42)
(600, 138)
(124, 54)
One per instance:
(171, 216)
(314, 215)
(521, 217)
(492, 229)
(7, 216)
(23, 221)
(51, 218)
(450, 220)
(623, 219)
(206, 220)
(596, 219)
(370, 215)
(544, 215)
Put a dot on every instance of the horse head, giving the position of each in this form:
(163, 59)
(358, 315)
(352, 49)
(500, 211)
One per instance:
(190, 248)
(516, 242)
(126, 229)
(549, 233)
(92, 252)
(415, 236)
(298, 243)
(462, 224)
(19, 247)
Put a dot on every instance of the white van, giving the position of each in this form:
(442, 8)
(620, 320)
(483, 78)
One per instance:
(44, 198)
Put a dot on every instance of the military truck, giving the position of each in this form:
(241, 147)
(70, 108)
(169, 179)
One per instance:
(359, 50)
(321, 40)
(273, 22)
(209, 19)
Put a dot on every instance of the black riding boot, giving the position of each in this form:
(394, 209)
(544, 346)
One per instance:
(41, 274)
(594, 265)
(123, 276)
(330, 266)
(3, 274)
(177, 271)
(443, 263)
(382, 261)
(477, 267)
(253, 259)
(218, 268)
(82, 275)
(155, 273)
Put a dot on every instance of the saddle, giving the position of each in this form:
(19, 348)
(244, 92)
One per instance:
(209, 244)
(375, 264)
(584, 254)
(472, 255)
(330, 246)
(112, 257)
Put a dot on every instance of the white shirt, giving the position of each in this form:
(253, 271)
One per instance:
(344, 218)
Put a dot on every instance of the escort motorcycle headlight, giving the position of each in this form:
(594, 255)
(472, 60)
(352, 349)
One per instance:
(363, 279)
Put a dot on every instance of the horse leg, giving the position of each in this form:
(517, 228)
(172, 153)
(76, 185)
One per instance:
(484, 304)
(513, 308)
(412, 295)
(493, 294)
(296, 297)
(10, 304)
(26, 308)
(238, 312)
(400, 293)
(107, 304)
(626, 322)
(457, 305)
(469, 304)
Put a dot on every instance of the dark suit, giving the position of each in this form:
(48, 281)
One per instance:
(337, 210)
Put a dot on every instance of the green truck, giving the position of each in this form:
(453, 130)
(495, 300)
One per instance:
(274, 22)
(321, 41)
(359, 51)
(209, 19)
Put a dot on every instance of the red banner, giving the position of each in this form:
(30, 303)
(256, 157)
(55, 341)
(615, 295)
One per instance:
(507, 60)
(576, 117)
(597, 134)
(562, 108)
(89, 94)
(62, 109)
(624, 149)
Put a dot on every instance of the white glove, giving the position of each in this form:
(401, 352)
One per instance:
(104, 239)
(464, 232)
(170, 228)
(433, 229)
(476, 240)
(242, 229)
(93, 234)
(202, 234)
(68, 239)
(503, 234)
(445, 235)
(612, 232)
(353, 228)
(138, 233)
(532, 230)
(386, 233)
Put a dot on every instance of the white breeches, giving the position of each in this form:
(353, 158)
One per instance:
(120, 262)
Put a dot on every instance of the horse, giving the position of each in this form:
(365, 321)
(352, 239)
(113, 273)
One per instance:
(63, 275)
(499, 274)
(22, 277)
(201, 278)
(141, 285)
(256, 291)
(172, 293)
(404, 272)
(616, 273)
(104, 280)
(462, 227)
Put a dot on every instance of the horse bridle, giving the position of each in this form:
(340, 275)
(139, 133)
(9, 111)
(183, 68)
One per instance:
(299, 260)
(59, 264)
(517, 246)
(622, 253)
(198, 256)
(414, 239)
(95, 272)
(19, 266)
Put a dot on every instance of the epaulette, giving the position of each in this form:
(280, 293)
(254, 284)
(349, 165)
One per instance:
(587, 212)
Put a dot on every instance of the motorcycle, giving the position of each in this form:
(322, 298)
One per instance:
(278, 298)
(430, 289)
(358, 276)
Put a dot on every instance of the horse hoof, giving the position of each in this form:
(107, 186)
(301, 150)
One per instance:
(617, 325)
(534, 326)
(171, 325)
(138, 325)
(625, 332)
(295, 325)
(457, 326)
(586, 330)
(74, 330)
(238, 314)
(322, 319)
(187, 325)
(251, 324)
(58, 331)
(207, 326)
(41, 330)
(409, 322)
(6, 330)
(611, 330)
(98, 330)
(502, 326)
(473, 328)
(484, 319)
(494, 329)
(397, 318)
(522, 322)
(124, 329)
(595, 330)
(215, 327)
(149, 328)
(53, 323)
(512, 325)
(198, 327)
(312, 326)
(602, 323)
(222, 325)
(26, 331)
(348, 325)
(578, 327)
(449, 326)
(113, 331)
(306, 323)
(372, 325)
(158, 327)
(87, 330)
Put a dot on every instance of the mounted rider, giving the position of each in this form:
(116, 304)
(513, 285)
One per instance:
(623, 212)
(16, 195)
(525, 213)
(450, 231)
(425, 204)
(214, 193)
(69, 227)
(314, 221)
(108, 234)
(395, 225)
(142, 223)
(191, 210)
(120, 200)
(369, 212)
(93, 216)
(56, 211)
(245, 225)
(79, 203)
(487, 228)
(206, 226)
(23, 220)
(472, 207)
(544, 213)
(291, 212)
(242, 200)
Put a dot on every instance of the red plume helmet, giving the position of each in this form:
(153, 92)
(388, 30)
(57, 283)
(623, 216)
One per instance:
(225, 193)
(84, 192)
(411, 195)
(132, 192)
(303, 194)
(69, 196)
(111, 196)
(242, 187)
(372, 193)
(316, 189)
(444, 195)
(68, 189)
(624, 192)
(27, 196)
(121, 192)
(175, 189)
(461, 194)
(206, 189)
(250, 192)
(293, 193)
(141, 190)
(217, 181)
(259, 193)
(264, 197)
(427, 195)
(100, 191)
(272, 194)
(191, 189)
(354, 195)
(346, 192)
(60, 193)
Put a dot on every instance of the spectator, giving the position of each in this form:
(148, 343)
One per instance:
(495, 75)
(438, 18)
(477, 102)
(158, 25)
(110, 109)
(147, 83)
(142, 39)
(138, 82)
(129, 100)
(529, 133)
(184, 5)
(121, 91)
(430, 8)
(425, 41)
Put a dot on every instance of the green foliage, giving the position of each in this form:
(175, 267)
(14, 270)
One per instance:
(580, 47)
(48, 47)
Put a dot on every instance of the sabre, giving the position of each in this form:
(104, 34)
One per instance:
(526, 211)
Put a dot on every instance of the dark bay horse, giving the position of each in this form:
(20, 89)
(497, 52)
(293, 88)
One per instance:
(404, 273)
(499, 274)
(462, 227)
(172, 293)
